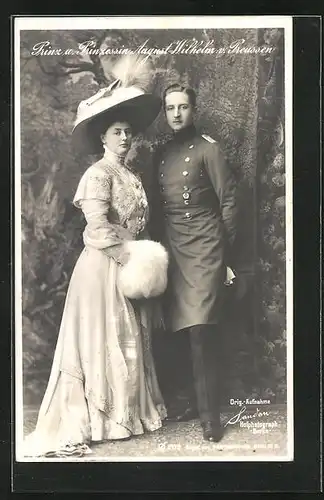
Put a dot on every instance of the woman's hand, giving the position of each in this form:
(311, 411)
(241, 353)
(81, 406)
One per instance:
(123, 257)
(118, 253)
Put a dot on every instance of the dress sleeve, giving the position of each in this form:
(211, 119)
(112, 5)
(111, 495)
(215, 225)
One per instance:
(95, 184)
(93, 197)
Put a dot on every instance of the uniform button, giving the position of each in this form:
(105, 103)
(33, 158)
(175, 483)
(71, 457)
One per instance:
(187, 159)
(185, 173)
(188, 215)
(161, 174)
(186, 202)
(162, 188)
(186, 196)
(164, 202)
(185, 188)
(162, 162)
(191, 146)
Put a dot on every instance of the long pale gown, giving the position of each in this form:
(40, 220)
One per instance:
(103, 383)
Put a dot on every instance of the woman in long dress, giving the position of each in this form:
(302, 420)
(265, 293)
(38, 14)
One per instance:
(103, 384)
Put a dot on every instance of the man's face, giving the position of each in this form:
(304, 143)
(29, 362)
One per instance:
(178, 110)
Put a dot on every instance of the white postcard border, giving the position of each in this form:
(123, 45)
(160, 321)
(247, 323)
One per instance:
(157, 22)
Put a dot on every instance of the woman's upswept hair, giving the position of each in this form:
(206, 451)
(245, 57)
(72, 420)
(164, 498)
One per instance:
(101, 124)
(177, 87)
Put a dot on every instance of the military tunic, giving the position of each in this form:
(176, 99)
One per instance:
(194, 216)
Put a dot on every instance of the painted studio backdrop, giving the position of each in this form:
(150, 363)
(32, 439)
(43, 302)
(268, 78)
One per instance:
(241, 103)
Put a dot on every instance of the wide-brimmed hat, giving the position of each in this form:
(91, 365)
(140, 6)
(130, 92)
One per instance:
(123, 100)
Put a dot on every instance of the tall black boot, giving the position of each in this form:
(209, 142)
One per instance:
(206, 356)
(182, 407)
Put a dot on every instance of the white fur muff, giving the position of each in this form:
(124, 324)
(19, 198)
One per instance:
(145, 273)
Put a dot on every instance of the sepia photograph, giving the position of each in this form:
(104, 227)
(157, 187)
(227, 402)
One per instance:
(153, 239)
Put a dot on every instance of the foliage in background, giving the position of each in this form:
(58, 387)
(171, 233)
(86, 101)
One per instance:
(271, 346)
(228, 89)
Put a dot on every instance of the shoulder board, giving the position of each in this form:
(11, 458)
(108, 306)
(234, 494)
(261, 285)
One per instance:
(208, 138)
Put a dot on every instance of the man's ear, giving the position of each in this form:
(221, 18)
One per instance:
(194, 113)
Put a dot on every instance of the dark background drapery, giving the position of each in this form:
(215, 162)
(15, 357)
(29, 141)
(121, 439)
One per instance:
(240, 103)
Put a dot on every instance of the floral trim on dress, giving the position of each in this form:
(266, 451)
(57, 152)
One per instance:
(118, 185)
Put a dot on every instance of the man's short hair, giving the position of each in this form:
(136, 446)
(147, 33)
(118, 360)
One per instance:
(177, 87)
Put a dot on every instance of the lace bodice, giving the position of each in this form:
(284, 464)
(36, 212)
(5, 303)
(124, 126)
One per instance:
(114, 203)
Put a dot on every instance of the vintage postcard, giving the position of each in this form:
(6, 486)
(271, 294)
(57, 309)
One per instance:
(153, 239)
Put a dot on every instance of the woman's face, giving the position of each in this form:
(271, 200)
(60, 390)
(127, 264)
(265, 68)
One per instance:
(118, 138)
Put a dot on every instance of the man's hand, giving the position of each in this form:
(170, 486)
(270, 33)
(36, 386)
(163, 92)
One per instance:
(230, 276)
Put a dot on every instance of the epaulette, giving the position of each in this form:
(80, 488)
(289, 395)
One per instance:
(208, 138)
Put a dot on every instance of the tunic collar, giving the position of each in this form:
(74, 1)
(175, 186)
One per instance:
(185, 133)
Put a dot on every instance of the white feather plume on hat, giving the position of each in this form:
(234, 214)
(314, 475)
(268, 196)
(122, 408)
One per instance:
(128, 93)
(133, 70)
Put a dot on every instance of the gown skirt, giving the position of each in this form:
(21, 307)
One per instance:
(103, 383)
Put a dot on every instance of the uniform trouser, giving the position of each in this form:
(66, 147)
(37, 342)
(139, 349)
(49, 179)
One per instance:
(197, 357)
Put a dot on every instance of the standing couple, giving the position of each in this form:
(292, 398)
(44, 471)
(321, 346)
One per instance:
(140, 260)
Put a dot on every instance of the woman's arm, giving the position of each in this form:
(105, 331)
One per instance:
(93, 196)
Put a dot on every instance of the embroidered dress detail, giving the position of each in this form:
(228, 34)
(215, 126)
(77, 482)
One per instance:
(103, 383)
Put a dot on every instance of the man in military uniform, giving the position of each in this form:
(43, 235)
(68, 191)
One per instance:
(194, 216)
